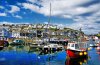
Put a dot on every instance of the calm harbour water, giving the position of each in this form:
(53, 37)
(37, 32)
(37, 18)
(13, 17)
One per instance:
(19, 55)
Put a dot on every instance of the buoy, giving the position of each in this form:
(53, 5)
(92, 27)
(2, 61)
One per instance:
(84, 61)
(85, 53)
(80, 53)
(89, 48)
(80, 63)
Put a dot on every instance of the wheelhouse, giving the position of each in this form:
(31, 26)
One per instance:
(73, 46)
(77, 46)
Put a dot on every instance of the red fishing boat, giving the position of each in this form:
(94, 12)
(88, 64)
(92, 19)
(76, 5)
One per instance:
(75, 50)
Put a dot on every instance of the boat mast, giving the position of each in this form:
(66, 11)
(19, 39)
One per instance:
(49, 15)
(49, 23)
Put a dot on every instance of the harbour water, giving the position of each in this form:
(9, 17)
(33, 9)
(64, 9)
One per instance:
(21, 55)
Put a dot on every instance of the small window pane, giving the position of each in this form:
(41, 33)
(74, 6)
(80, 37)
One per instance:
(76, 46)
(72, 45)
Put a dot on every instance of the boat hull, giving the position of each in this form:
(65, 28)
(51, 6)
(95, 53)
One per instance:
(75, 53)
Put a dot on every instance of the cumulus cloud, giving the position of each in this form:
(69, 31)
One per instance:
(63, 8)
(3, 14)
(30, 6)
(14, 9)
(59, 7)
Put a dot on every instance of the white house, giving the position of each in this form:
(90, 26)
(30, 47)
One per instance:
(4, 32)
(16, 32)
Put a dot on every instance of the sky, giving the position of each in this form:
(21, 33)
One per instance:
(73, 14)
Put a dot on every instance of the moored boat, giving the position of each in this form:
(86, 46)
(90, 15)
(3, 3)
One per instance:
(78, 47)
(52, 47)
(3, 44)
(17, 42)
(75, 50)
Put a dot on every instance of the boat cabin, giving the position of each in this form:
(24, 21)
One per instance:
(76, 46)
(75, 50)
(73, 46)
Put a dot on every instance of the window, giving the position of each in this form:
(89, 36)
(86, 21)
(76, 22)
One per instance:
(76, 46)
(72, 45)
(69, 45)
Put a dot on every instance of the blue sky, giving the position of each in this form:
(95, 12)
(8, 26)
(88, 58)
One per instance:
(64, 13)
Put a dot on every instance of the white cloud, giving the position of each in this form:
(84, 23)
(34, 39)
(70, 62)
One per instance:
(14, 9)
(17, 16)
(7, 22)
(70, 9)
(1, 7)
(32, 1)
(88, 28)
(3, 14)
(91, 8)
(67, 16)
(45, 22)
(59, 7)
(30, 6)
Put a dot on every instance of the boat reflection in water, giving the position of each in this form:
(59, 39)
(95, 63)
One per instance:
(3, 43)
(24, 55)
(19, 48)
(42, 52)
(98, 50)
(76, 61)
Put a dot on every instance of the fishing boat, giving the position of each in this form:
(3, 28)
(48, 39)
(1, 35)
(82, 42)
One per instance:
(76, 49)
(53, 47)
(17, 42)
